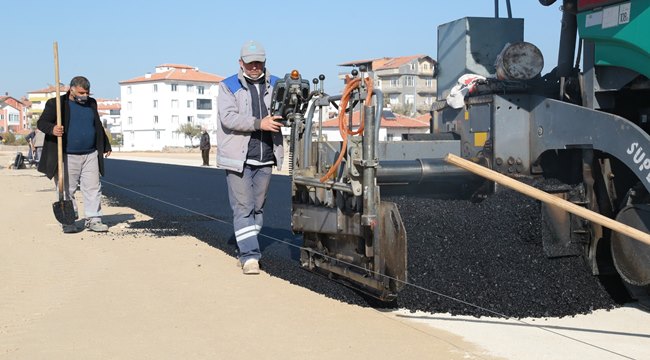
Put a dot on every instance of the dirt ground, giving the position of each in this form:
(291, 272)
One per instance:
(129, 295)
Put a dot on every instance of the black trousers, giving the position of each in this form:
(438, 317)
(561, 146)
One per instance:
(206, 156)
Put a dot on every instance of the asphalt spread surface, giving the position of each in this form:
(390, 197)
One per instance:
(473, 258)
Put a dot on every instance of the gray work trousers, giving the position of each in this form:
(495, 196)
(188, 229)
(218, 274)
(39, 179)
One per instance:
(247, 194)
(82, 170)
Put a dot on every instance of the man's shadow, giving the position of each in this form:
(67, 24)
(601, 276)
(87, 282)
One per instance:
(116, 219)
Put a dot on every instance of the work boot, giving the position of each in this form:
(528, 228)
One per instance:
(251, 267)
(96, 226)
(70, 229)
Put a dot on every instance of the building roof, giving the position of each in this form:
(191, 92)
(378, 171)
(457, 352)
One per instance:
(49, 89)
(425, 117)
(177, 66)
(13, 102)
(385, 62)
(357, 62)
(104, 106)
(388, 120)
(396, 62)
(176, 72)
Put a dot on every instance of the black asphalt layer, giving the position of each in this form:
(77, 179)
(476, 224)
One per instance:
(488, 254)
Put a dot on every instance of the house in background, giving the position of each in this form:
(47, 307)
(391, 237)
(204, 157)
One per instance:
(109, 114)
(13, 116)
(39, 97)
(393, 126)
(408, 82)
(154, 106)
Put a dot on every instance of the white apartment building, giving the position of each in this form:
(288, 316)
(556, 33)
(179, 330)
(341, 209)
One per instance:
(154, 106)
(109, 115)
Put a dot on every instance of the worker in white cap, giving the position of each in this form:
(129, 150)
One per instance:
(249, 144)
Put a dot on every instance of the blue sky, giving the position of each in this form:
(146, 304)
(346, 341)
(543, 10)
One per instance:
(111, 41)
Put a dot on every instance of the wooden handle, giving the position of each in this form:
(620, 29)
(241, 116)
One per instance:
(59, 139)
(548, 198)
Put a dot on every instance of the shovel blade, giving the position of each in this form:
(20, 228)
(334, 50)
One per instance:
(64, 212)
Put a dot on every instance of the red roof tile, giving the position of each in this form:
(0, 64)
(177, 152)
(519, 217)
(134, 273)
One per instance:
(395, 62)
(385, 62)
(101, 106)
(50, 89)
(178, 73)
(400, 121)
(426, 118)
(177, 66)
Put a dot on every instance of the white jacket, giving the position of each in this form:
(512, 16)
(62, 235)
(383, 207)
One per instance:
(236, 122)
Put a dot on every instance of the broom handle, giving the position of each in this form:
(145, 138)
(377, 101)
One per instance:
(59, 139)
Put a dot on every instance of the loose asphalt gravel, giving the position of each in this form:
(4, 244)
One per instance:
(480, 259)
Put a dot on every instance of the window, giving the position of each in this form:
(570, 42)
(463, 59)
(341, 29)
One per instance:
(190, 88)
(425, 66)
(394, 82)
(157, 135)
(155, 103)
(190, 104)
(190, 118)
(130, 121)
(428, 82)
(409, 81)
(129, 106)
(174, 103)
(412, 66)
(393, 99)
(408, 99)
(200, 89)
(390, 137)
(174, 119)
(174, 87)
(155, 87)
(204, 104)
(155, 119)
(129, 90)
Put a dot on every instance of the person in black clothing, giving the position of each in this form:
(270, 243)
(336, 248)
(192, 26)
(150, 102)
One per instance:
(85, 144)
(205, 148)
(32, 149)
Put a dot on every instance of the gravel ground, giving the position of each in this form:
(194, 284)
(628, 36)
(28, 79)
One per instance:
(488, 255)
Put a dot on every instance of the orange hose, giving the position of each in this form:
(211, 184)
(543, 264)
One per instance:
(344, 130)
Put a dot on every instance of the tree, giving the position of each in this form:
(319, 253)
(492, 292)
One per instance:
(190, 131)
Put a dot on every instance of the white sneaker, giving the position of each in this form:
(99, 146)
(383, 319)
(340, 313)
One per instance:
(96, 226)
(251, 267)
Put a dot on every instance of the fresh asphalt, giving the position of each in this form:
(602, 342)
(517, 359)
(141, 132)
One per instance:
(192, 200)
(195, 199)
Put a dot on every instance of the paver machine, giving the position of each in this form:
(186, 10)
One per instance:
(584, 124)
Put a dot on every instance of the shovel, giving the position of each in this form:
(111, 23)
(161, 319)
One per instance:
(63, 209)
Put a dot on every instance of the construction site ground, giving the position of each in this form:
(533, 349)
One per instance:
(101, 296)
